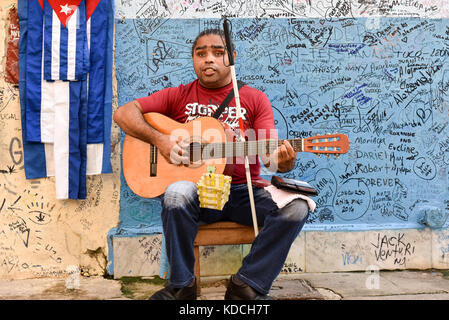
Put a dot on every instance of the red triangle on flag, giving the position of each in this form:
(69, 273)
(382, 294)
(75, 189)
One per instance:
(91, 5)
(64, 9)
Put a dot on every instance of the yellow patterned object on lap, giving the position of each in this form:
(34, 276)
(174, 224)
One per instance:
(213, 189)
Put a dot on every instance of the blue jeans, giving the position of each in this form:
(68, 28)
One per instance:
(181, 215)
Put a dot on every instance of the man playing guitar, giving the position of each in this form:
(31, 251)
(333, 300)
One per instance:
(181, 212)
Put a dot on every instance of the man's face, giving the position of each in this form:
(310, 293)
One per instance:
(210, 62)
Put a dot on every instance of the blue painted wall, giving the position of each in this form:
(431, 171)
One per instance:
(385, 86)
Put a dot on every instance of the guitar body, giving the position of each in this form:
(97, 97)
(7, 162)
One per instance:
(148, 174)
(136, 155)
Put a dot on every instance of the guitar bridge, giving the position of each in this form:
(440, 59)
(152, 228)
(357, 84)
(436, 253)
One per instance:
(153, 161)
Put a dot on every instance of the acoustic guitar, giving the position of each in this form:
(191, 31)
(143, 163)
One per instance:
(148, 174)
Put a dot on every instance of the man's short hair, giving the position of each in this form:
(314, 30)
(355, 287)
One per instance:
(207, 32)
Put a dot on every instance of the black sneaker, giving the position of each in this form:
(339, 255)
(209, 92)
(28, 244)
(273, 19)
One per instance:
(170, 293)
(238, 290)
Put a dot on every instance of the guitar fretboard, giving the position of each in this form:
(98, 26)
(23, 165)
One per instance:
(246, 148)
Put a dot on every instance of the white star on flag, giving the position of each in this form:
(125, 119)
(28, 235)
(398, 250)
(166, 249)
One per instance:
(65, 8)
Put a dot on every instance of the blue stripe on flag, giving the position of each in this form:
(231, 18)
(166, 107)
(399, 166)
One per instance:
(48, 35)
(77, 141)
(97, 78)
(34, 153)
(82, 190)
(107, 167)
(33, 72)
(63, 52)
(86, 58)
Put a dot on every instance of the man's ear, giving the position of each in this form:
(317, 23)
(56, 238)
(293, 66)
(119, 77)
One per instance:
(234, 54)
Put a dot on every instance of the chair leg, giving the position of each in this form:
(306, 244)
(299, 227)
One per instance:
(196, 250)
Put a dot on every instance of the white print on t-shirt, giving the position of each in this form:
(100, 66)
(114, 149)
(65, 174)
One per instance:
(229, 115)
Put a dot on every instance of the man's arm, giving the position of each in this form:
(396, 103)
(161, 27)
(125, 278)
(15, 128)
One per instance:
(283, 158)
(130, 119)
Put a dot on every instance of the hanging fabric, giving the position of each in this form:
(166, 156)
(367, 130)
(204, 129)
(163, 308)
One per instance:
(12, 50)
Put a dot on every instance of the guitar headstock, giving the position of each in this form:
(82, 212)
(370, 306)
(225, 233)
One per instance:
(327, 144)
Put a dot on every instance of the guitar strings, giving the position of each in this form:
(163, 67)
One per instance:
(255, 147)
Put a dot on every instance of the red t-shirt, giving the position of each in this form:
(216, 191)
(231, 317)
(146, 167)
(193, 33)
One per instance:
(188, 102)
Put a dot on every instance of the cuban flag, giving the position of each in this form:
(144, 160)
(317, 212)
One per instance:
(65, 84)
(65, 40)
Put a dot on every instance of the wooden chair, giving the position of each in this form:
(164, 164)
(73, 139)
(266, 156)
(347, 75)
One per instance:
(219, 233)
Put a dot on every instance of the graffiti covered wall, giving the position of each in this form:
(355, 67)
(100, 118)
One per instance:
(374, 70)
(379, 75)
(39, 235)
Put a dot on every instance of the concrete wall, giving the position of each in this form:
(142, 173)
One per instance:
(39, 235)
(312, 251)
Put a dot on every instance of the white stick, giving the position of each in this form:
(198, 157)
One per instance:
(242, 138)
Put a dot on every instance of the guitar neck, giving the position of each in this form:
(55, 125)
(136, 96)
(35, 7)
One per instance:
(247, 148)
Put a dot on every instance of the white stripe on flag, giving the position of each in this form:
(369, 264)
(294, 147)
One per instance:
(61, 145)
(49, 159)
(94, 158)
(55, 43)
(72, 27)
(47, 105)
(47, 111)
(94, 150)
(88, 35)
